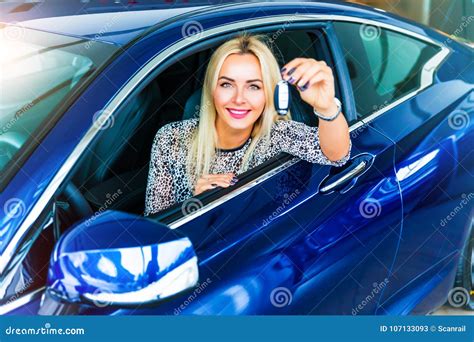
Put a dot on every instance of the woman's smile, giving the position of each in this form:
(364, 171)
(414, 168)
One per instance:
(238, 113)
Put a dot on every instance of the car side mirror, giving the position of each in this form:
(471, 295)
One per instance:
(120, 259)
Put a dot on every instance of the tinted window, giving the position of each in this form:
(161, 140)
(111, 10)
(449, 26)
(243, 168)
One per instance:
(383, 65)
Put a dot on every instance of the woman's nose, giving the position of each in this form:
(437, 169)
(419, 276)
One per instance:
(239, 96)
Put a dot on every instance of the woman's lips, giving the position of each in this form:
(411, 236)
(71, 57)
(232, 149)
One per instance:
(238, 113)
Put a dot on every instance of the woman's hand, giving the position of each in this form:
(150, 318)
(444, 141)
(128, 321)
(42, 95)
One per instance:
(314, 81)
(207, 182)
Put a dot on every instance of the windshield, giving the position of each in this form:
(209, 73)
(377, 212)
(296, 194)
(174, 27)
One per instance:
(39, 71)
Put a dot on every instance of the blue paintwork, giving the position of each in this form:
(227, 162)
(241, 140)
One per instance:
(318, 247)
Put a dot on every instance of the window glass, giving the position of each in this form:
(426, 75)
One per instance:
(38, 71)
(383, 65)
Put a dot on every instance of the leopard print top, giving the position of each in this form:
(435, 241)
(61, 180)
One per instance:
(169, 183)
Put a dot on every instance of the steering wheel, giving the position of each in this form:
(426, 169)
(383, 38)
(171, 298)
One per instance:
(77, 201)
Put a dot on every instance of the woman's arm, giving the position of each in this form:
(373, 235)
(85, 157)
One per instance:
(303, 141)
(315, 83)
(334, 136)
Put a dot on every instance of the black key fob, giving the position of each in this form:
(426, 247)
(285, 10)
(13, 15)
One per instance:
(281, 97)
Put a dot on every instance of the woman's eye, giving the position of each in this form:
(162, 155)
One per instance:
(225, 84)
(254, 87)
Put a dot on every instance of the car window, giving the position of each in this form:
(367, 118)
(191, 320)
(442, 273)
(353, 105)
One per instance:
(39, 71)
(383, 65)
(113, 174)
(286, 46)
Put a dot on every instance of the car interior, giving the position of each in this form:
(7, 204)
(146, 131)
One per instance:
(118, 161)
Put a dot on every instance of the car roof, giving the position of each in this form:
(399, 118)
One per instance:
(120, 21)
(103, 20)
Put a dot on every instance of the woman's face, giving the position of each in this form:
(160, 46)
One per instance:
(239, 95)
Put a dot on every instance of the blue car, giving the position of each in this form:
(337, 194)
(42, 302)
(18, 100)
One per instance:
(86, 86)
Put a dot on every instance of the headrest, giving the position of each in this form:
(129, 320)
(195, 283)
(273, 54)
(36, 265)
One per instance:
(191, 109)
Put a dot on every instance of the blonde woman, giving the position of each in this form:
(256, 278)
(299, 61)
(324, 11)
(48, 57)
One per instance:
(238, 127)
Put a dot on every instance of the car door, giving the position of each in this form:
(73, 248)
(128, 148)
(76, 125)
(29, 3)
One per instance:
(285, 246)
(296, 237)
(427, 106)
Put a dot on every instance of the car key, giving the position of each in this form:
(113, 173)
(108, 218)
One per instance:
(281, 97)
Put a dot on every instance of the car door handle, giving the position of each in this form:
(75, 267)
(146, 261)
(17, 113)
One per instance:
(362, 163)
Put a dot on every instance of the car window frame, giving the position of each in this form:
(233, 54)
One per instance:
(212, 198)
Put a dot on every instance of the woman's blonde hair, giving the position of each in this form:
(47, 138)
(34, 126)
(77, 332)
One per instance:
(204, 141)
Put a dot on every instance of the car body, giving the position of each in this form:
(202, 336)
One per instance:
(384, 234)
